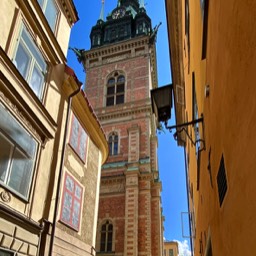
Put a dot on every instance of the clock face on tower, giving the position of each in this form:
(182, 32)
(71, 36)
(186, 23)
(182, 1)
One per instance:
(118, 13)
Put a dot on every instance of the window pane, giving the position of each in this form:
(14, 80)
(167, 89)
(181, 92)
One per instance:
(110, 90)
(111, 81)
(82, 145)
(119, 99)
(115, 149)
(22, 60)
(36, 82)
(120, 88)
(69, 184)
(5, 154)
(17, 133)
(51, 14)
(121, 79)
(75, 216)
(66, 207)
(110, 101)
(102, 242)
(78, 192)
(110, 227)
(34, 51)
(20, 173)
(6, 253)
(75, 132)
(109, 245)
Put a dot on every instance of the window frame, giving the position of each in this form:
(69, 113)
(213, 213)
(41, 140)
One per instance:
(205, 12)
(171, 252)
(7, 252)
(114, 94)
(73, 197)
(44, 6)
(113, 144)
(16, 147)
(78, 147)
(36, 60)
(107, 233)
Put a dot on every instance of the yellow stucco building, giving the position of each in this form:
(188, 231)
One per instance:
(171, 248)
(212, 48)
(51, 143)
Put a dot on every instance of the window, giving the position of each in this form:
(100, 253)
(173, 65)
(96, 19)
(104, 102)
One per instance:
(187, 25)
(113, 144)
(30, 63)
(17, 155)
(106, 237)
(115, 90)
(222, 181)
(71, 202)
(78, 138)
(164, 252)
(6, 253)
(170, 252)
(50, 11)
(205, 6)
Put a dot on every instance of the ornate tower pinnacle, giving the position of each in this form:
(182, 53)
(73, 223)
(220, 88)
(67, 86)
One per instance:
(142, 4)
(102, 10)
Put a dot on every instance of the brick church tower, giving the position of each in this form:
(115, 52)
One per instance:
(120, 72)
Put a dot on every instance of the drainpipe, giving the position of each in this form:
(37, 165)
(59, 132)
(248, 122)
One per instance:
(187, 186)
(61, 171)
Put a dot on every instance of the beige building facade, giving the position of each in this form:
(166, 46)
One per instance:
(212, 50)
(51, 143)
(171, 248)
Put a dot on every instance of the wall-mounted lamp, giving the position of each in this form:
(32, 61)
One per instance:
(161, 99)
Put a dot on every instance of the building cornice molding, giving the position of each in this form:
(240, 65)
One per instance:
(124, 48)
(124, 113)
(114, 48)
(70, 11)
(174, 23)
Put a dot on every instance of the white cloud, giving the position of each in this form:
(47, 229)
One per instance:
(184, 249)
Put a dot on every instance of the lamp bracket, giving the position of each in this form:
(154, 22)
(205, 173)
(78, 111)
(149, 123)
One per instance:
(182, 127)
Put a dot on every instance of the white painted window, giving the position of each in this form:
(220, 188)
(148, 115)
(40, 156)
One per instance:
(50, 11)
(30, 63)
(17, 155)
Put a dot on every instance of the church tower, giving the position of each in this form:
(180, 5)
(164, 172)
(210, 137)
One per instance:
(120, 72)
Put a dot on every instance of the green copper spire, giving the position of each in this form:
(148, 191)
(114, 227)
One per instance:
(142, 4)
(102, 10)
(118, 3)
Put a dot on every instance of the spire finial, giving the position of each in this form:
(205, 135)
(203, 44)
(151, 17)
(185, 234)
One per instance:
(142, 4)
(118, 3)
(102, 10)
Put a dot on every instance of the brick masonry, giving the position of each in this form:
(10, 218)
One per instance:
(130, 194)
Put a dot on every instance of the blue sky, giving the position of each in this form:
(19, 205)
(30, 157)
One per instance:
(171, 161)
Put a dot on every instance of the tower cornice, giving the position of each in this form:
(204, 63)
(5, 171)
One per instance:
(126, 47)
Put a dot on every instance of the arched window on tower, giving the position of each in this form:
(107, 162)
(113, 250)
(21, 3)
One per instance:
(106, 237)
(115, 90)
(113, 144)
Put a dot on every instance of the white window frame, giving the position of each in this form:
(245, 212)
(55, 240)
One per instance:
(44, 5)
(25, 155)
(35, 63)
